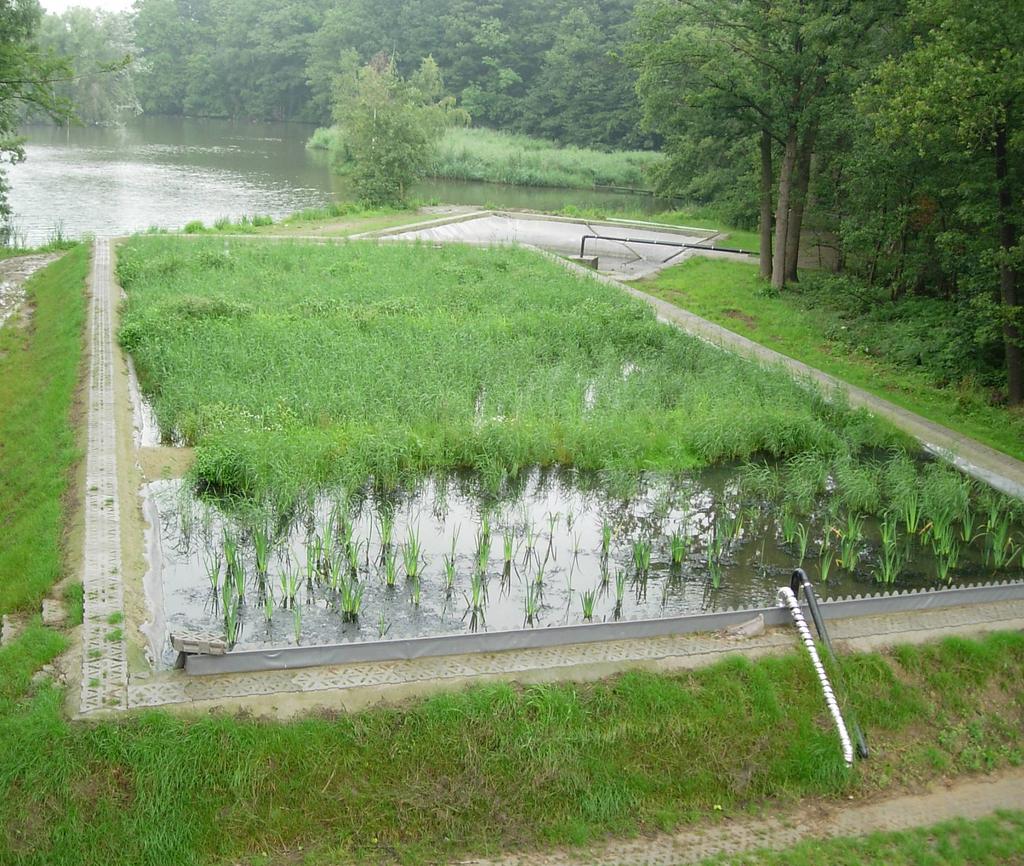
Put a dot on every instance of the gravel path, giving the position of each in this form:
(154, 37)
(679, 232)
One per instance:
(971, 799)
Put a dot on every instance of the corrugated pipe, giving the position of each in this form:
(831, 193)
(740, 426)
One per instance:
(788, 598)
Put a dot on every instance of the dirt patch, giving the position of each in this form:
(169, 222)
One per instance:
(971, 798)
(14, 272)
(164, 462)
(740, 316)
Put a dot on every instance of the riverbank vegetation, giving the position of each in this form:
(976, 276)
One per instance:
(918, 188)
(499, 157)
(552, 69)
(39, 375)
(909, 350)
(489, 769)
(380, 361)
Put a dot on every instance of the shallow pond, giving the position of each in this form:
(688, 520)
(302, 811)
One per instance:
(554, 550)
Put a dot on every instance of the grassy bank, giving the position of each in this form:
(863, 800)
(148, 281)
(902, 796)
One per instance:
(488, 769)
(500, 157)
(39, 373)
(307, 364)
(896, 350)
(995, 841)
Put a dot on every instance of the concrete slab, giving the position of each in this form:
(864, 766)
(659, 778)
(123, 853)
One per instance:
(628, 257)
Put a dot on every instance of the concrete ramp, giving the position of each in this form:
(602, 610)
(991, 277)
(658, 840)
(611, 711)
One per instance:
(623, 258)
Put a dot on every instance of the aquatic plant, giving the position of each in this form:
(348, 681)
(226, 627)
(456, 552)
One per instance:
(788, 526)
(530, 537)
(713, 558)
(620, 591)
(891, 563)
(212, 564)
(268, 603)
(351, 599)
(606, 539)
(642, 557)
(677, 547)
(826, 554)
(412, 552)
(262, 544)
(390, 568)
(230, 607)
(291, 580)
(477, 591)
(531, 602)
(386, 528)
(999, 546)
(353, 549)
(297, 622)
(416, 591)
(507, 542)
(803, 537)
(587, 599)
(850, 538)
(383, 626)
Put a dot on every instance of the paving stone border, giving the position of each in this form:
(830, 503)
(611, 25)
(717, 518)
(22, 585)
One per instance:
(104, 666)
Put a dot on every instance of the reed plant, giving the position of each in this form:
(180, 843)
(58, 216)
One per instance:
(620, 591)
(351, 598)
(851, 538)
(677, 547)
(587, 600)
(412, 553)
(457, 334)
(642, 557)
(606, 539)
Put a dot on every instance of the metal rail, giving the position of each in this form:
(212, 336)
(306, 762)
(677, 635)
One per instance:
(288, 657)
(799, 581)
(585, 238)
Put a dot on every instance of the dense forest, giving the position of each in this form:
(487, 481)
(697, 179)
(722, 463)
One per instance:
(553, 68)
(891, 129)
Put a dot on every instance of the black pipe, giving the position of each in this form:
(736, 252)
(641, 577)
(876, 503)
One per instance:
(585, 238)
(799, 581)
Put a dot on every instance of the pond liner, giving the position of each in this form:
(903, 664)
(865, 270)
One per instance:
(291, 657)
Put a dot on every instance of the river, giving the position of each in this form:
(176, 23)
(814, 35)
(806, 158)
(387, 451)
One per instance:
(159, 171)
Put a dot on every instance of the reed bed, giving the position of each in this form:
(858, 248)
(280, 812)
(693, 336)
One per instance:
(292, 366)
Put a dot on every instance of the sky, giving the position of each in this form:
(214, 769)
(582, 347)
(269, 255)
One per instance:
(59, 6)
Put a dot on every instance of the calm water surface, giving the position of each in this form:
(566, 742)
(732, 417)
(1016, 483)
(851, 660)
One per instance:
(167, 171)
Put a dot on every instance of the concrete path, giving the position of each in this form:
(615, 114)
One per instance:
(971, 799)
(104, 668)
(640, 250)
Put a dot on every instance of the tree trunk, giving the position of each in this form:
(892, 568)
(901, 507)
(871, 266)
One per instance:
(1007, 276)
(765, 245)
(782, 210)
(798, 201)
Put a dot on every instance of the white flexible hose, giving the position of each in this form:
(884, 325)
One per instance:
(788, 598)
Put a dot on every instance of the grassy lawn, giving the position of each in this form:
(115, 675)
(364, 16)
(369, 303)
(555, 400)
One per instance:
(291, 365)
(995, 841)
(39, 374)
(730, 293)
(488, 769)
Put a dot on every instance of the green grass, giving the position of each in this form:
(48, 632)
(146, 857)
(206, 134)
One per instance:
(488, 769)
(994, 841)
(290, 366)
(520, 160)
(39, 372)
(732, 294)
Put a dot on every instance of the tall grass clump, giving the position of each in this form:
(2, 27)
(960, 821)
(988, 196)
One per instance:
(292, 366)
(503, 157)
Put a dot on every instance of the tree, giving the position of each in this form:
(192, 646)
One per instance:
(101, 89)
(28, 77)
(390, 125)
(769, 73)
(958, 95)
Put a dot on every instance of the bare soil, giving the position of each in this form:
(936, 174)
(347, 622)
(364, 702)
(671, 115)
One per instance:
(970, 798)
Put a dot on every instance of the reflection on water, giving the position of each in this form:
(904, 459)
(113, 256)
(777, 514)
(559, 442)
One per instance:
(159, 171)
(552, 550)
